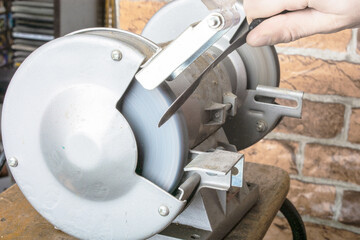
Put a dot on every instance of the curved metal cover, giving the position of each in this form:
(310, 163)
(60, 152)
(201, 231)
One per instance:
(163, 151)
(77, 153)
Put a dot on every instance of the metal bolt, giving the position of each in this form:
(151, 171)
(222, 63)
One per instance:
(164, 211)
(234, 171)
(215, 21)
(261, 126)
(116, 55)
(217, 115)
(13, 162)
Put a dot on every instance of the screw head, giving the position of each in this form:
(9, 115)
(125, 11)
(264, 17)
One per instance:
(164, 211)
(234, 171)
(116, 55)
(13, 162)
(215, 21)
(261, 126)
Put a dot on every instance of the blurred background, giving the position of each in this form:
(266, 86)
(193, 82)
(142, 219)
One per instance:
(321, 152)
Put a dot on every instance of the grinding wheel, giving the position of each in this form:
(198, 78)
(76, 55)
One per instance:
(162, 151)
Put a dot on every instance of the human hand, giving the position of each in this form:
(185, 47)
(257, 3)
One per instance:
(307, 17)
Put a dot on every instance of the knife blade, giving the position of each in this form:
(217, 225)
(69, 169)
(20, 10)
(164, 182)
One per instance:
(236, 41)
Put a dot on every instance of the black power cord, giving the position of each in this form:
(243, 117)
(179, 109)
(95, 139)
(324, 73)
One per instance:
(2, 160)
(294, 219)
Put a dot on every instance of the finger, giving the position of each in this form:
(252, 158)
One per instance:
(266, 8)
(334, 6)
(292, 26)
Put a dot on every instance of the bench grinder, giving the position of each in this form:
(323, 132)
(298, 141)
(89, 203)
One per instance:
(82, 136)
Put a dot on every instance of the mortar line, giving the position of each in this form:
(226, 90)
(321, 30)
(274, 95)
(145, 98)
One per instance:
(354, 102)
(346, 126)
(324, 141)
(338, 202)
(325, 222)
(300, 157)
(326, 181)
(351, 48)
(330, 223)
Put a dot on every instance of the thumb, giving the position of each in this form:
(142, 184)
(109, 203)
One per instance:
(292, 26)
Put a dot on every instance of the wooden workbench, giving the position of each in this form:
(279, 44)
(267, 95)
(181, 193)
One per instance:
(18, 220)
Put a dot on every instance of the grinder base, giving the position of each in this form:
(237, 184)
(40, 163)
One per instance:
(238, 202)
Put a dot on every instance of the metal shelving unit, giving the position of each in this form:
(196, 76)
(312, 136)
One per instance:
(5, 51)
(33, 26)
(37, 22)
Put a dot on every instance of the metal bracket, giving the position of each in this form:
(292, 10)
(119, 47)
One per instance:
(230, 98)
(276, 110)
(187, 188)
(217, 113)
(215, 168)
(218, 162)
(259, 114)
(178, 55)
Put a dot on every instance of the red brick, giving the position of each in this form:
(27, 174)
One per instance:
(354, 129)
(350, 211)
(280, 230)
(319, 76)
(321, 120)
(335, 42)
(277, 153)
(312, 199)
(135, 15)
(332, 162)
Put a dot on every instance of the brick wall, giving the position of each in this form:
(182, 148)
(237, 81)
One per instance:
(321, 151)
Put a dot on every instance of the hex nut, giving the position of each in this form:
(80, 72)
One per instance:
(215, 21)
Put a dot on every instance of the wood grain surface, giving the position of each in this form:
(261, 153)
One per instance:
(19, 220)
